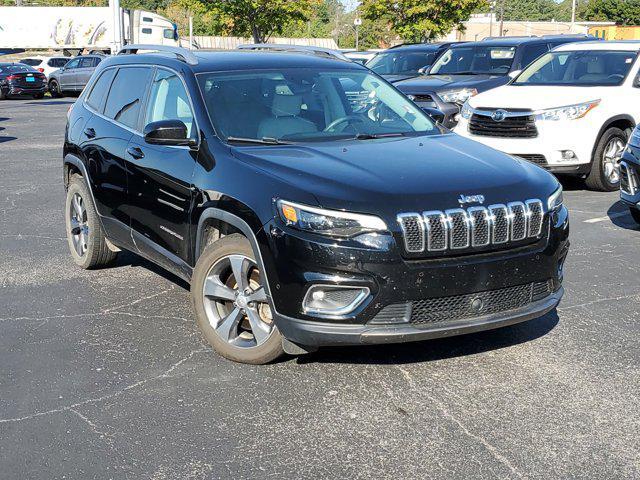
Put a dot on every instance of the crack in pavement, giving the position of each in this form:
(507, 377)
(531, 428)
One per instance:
(601, 300)
(72, 407)
(446, 414)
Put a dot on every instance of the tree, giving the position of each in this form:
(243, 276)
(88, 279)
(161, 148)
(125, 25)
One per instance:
(262, 18)
(530, 10)
(207, 18)
(420, 20)
(623, 12)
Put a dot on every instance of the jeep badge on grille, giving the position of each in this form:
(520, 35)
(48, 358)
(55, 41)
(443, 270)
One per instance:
(465, 199)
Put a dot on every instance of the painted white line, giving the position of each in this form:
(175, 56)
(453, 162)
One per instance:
(604, 219)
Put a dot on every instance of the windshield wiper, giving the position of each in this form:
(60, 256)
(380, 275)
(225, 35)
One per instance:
(260, 141)
(370, 136)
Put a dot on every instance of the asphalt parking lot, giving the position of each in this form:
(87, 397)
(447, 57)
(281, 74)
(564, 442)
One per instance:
(104, 375)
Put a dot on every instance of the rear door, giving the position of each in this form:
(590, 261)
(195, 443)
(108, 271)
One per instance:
(160, 176)
(107, 134)
(84, 71)
(67, 77)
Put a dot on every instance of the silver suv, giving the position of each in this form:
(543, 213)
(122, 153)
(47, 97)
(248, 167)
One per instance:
(73, 77)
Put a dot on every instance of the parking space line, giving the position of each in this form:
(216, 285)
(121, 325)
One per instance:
(608, 217)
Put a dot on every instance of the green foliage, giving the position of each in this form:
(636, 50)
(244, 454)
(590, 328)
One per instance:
(207, 18)
(623, 12)
(531, 10)
(420, 20)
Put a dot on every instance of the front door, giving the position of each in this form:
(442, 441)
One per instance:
(67, 78)
(160, 176)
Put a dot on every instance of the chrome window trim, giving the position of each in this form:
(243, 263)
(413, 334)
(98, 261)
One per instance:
(448, 214)
(510, 207)
(487, 220)
(421, 223)
(445, 227)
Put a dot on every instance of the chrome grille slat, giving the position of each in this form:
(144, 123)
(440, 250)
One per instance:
(459, 228)
(628, 179)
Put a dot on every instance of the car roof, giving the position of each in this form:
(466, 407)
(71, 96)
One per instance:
(517, 41)
(624, 45)
(422, 47)
(236, 60)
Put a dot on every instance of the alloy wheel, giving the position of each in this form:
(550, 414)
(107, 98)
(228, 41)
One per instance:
(611, 159)
(79, 224)
(235, 302)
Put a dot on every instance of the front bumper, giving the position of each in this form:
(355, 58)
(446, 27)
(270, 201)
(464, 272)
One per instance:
(323, 334)
(546, 149)
(295, 261)
(450, 110)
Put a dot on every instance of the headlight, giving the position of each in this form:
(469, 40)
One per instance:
(411, 97)
(554, 202)
(459, 95)
(328, 222)
(570, 112)
(466, 111)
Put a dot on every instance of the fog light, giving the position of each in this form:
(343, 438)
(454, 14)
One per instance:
(568, 155)
(333, 299)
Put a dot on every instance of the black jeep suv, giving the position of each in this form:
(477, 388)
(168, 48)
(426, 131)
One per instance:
(303, 215)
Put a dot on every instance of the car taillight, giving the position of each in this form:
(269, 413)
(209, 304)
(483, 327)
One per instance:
(41, 70)
(12, 77)
(41, 75)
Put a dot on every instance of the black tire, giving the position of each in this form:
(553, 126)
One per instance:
(93, 251)
(598, 178)
(38, 96)
(215, 254)
(3, 95)
(54, 89)
(635, 213)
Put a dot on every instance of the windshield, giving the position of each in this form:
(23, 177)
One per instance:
(401, 63)
(476, 60)
(578, 68)
(302, 104)
(15, 68)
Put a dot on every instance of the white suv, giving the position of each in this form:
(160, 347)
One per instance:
(571, 111)
(46, 65)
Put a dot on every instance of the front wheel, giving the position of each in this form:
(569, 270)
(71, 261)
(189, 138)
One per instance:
(54, 89)
(231, 305)
(605, 165)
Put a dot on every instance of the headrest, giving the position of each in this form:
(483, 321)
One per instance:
(286, 105)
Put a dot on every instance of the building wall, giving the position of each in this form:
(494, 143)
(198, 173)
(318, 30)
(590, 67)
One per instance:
(616, 32)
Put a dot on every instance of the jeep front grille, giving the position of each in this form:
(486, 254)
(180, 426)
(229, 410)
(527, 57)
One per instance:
(628, 179)
(459, 229)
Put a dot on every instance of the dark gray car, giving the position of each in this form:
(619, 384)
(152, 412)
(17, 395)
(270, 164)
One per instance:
(73, 77)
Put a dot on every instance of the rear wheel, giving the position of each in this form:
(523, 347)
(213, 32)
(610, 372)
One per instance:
(2, 95)
(605, 169)
(38, 96)
(87, 242)
(231, 304)
(54, 89)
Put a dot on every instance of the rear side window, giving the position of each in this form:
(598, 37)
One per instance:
(57, 62)
(100, 88)
(125, 96)
(86, 63)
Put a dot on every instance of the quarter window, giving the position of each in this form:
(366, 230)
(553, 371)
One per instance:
(125, 95)
(100, 88)
(169, 101)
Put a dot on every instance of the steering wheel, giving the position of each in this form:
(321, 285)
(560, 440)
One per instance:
(338, 121)
(616, 76)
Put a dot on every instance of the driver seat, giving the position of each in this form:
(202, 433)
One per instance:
(286, 118)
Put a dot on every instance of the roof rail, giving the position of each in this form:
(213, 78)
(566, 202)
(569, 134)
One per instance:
(181, 54)
(309, 49)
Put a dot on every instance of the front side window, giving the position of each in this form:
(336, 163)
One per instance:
(532, 52)
(94, 99)
(168, 33)
(478, 60)
(168, 100)
(302, 104)
(72, 63)
(579, 68)
(126, 94)
(401, 63)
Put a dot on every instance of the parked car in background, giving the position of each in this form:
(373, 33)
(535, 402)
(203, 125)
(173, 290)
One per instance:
(46, 65)
(309, 49)
(298, 221)
(406, 61)
(21, 79)
(73, 77)
(571, 111)
(358, 56)
(467, 69)
(630, 175)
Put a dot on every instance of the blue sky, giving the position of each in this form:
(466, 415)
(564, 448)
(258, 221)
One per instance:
(350, 4)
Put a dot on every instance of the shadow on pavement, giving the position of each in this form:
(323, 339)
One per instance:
(619, 215)
(438, 349)
(571, 184)
(7, 139)
(50, 102)
(130, 259)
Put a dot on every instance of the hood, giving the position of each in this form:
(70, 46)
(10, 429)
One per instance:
(389, 176)
(436, 83)
(398, 78)
(537, 97)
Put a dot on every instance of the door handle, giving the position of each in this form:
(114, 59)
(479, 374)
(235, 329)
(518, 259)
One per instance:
(90, 132)
(135, 152)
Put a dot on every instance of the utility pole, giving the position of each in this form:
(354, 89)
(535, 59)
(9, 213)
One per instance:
(501, 17)
(573, 14)
(190, 32)
(357, 22)
(116, 22)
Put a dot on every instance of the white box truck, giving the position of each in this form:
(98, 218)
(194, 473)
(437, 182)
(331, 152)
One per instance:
(79, 28)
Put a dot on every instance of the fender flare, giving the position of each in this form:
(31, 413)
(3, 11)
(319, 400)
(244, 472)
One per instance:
(606, 125)
(240, 224)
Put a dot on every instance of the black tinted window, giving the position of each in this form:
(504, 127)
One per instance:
(57, 62)
(86, 62)
(96, 61)
(532, 52)
(31, 61)
(125, 96)
(99, 90)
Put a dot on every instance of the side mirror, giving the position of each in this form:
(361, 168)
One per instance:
(424, 70)
(436, 115)
(167, 132)
(514, 74)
